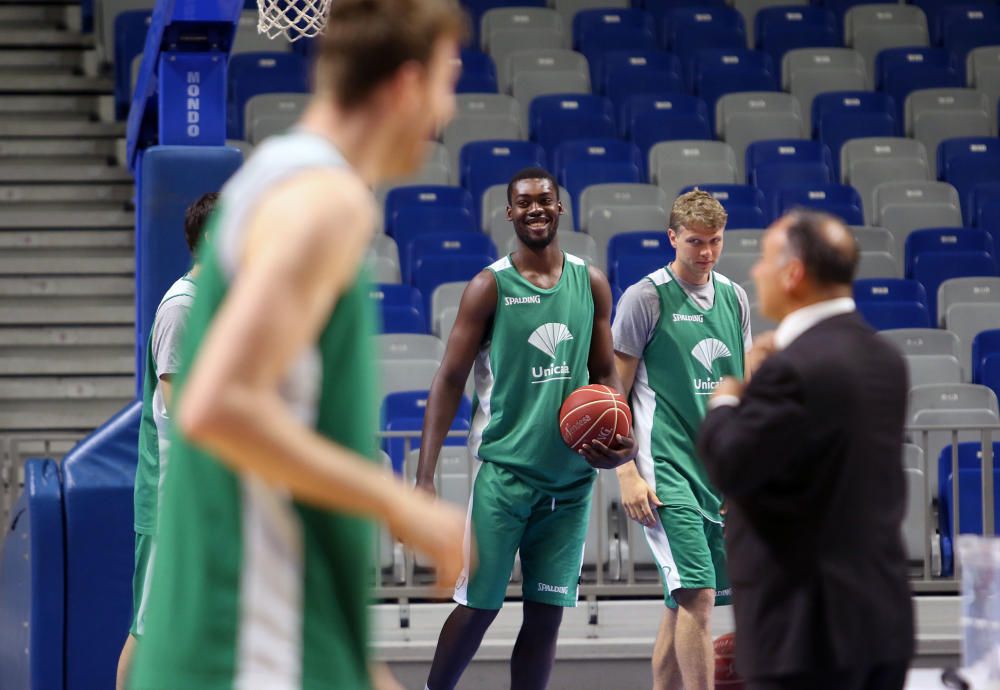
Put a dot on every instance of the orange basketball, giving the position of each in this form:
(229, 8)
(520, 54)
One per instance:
(594, 413)
(726, 677)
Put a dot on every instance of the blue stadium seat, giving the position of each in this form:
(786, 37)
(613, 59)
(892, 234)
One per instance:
(891, 59)
(689, 30)
(933, 10)
(888, 303)
(434, 270)
(780, 29)
(631, 268)
(989, 373)
(626, 73)
(839, 199)
(967, 162)
(483, 164)
(578, 177)
(418, 221)
(33, 583)
(718, 72)
(986, 199)
(653, 244)
(964, 27)
(444, 244)
(404, 411)
(479, 74)
(927, 240)
(600, 31)
(130, 39)
(935, 268)
(900, 80)
(661, 8)
(776, 164)
(744, 204)
(402, 320)
(404, 200)
(572, 153)
(565, 117)
(255, 73)
(839, 116)
(787, 150)
(970, 488)
(985, 344)
(653, 118)
(394, 295)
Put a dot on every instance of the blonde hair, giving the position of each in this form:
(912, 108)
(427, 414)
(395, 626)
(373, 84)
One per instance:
(367, 41)
(697, 208)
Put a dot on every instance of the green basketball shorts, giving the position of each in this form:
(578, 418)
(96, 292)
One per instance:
(507, 515)
(690, 552)
(145, 551)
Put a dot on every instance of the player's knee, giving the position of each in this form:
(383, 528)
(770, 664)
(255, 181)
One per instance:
(696, 603)
(542, 616)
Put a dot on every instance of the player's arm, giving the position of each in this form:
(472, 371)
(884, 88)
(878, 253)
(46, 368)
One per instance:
(475, 313)
(601, 364)
(303, 248)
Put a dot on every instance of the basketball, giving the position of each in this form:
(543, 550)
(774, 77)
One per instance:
(594, 413)
(726, 677)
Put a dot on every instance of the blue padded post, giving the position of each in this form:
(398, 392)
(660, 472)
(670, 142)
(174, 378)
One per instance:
(97, 502)
(170, 178)
(32, 585)
(192, 102)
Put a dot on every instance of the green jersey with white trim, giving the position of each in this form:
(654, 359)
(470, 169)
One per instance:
(251, 588)
(536, 355)
(690, 351)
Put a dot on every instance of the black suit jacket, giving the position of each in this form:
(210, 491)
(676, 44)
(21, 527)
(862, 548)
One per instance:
(810, 464)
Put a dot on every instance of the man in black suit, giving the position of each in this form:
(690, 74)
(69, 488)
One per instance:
(809, 458)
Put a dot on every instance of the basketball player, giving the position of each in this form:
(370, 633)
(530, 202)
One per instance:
(265, 542)
(535, 323)
(677, 332)
(162, 360)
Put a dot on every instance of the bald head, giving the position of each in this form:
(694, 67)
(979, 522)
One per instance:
(824, 245)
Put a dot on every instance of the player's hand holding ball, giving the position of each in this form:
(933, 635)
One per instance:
(596, 422)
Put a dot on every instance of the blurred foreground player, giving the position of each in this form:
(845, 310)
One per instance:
(537, 326)
(809, 457)
(163, 354)
(265, 544)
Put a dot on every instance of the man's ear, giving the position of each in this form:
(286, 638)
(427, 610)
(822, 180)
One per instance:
(672, 236)
(510, 214)
(562, 209)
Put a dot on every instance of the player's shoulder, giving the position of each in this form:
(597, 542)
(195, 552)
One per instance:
(180, 295)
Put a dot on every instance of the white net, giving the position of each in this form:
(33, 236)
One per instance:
(293, 19)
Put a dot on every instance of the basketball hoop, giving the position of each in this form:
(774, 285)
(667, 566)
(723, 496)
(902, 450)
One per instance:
(294, 19)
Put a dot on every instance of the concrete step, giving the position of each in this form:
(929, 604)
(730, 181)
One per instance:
(102, 336)
(52, 129)
(102, 149)
(81, 193)
(52, 82)
(47, 104)
(64, 387)
(25, 216)
(46, 38)
(30, 12)
(67, 58)
(44, 172)
(66, 311)
(55, 240)
(60, 415)
(65, 262)
(66, 361)
(16, 288)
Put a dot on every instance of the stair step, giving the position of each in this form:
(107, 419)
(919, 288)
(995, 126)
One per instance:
(50, 361)
(56, 415)
(68, 387)
(19, 217)
(45, 38)
(83, 193)
(52, 82)
(15, 288)
(66, 262)
(46, 148)
(69, 58)
(40, 172)
(44, 240)
(47, 104)
(55, 128)
(65, 311)
(93, 336)
(32, 13)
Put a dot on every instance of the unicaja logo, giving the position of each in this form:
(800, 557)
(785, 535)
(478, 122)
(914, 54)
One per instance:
(709, 350)
(549, 336)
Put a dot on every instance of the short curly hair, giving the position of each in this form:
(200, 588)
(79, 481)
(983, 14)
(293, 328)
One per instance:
(196, 218)
(697, 208)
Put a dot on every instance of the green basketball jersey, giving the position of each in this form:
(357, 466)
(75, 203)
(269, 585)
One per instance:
(536, 355)
(690, 351)
(251, 588)
(154, 429)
